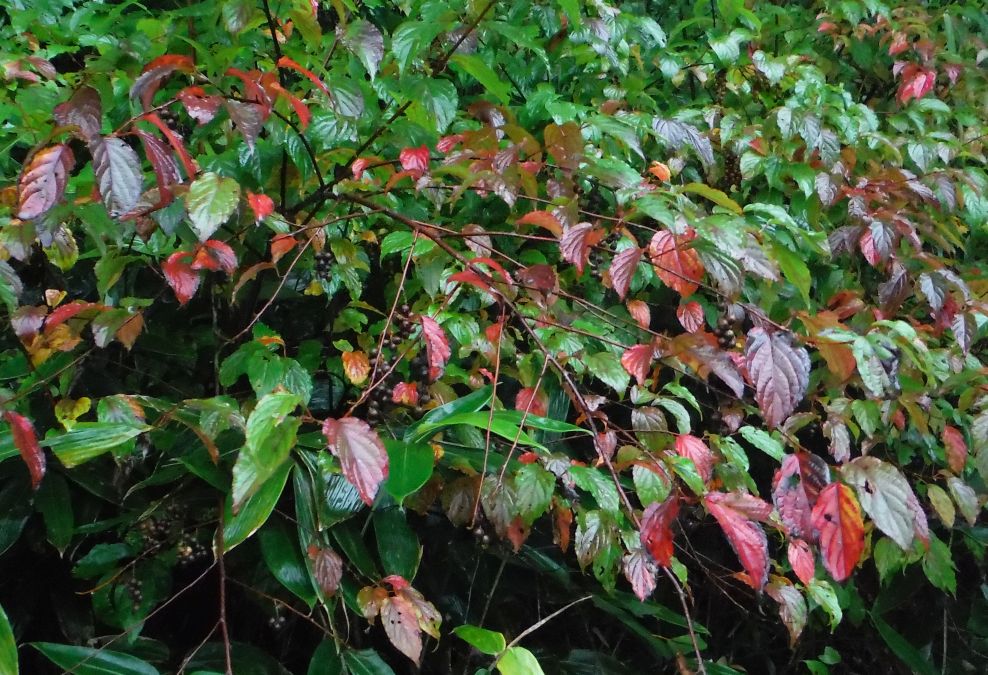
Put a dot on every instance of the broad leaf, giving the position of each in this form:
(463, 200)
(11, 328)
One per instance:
(361, 453)
(436, 346)
(43, 181)
(779, 371)
(118, 170)
(885, 495)
(210, 201)
(656, 530)
(746, 537)
(675, 261)
(26, 441)
(837, 517)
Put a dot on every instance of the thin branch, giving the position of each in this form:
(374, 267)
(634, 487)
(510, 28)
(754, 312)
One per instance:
(534, 627)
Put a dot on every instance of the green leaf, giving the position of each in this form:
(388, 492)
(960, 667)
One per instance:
(483, 640)
(794, 269)
(210, 201)
(270, 437)
(54, 501)
(763, 441)
(255, 511)
(906, 653)
(409, 467)
(714, 195)
(8, 646)
(480, 71)
(533, 487)
(600, 485)
(823, 594)
(472, 402)
(283, 558)
(397, 545)
(939, 566)
(89, 440)
(366, 662)
(519, 661)
(326, 660)
(608, 369)
(89, 661)
(686, 469)
(502, 423)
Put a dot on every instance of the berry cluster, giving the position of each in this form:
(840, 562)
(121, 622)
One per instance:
(731, 315)
(191, 551)
(277, 622)
(134, 588)
(155, 531)
(597, 252)
(324, 261)
(719, 90)
(381, 398)
(732, 172)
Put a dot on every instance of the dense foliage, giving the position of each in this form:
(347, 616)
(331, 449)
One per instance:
(523, 335)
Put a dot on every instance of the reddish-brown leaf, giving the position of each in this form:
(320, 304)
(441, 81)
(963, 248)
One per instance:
(640, 312)
(565, 143)
(180, 276)
(42, 183)
(677, 265)
(956, 446)
(155, 73)
(200, 106)
(801, 559)
(248, 118)
(436, 346)
(637, 360)
(562, 525)
(165, 168)
(640, 573)
(656, 529)
(415, 160)
(533, 401)
(837, 517)
(83, 111)
(576, 243)
(174, 140)
(542, 219)
(746, 537)
(696, 450)
(214, 255)
(285, 62)
(791, 500)
(118, 170)
(779, 371)
(622, 269)
(690, 316)
(327, 569)
(26, 442)
(405, 393)
(361, 453)
(915, 81)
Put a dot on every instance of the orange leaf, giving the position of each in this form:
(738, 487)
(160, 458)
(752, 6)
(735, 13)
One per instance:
(956, 446)
(690, 316)
(837, 516)
(678, 266)
(640, 312)
(285, 62)
(356, 365)
(637, 360)
(542, 219)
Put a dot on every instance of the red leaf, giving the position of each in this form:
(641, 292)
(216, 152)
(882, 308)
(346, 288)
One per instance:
(746, 537)
(637, 361)
(415, 160)
(327, 569)
(83, 111)
(690, 316)
(436, 346)
(640, 573)
(214, 255)
(43, 182)
(532, 401)
(447, 143)
(66, 312)
(779, 372)
(180, 276)
(640, 312)
(677, 265)
(157, 72)
(405, 393)
(576, 243)
(402, 627)
(285, 62)
(542, 219)
(790, 497)
(622, 269)
(801, 559)
(261, 205)
(656, 529)
(956, 446)
(280, 245)
(361, 453)
(916, 81)
(164, 165)
(517, 533)
(837, 516)
(26, 442)
(174, 140)
(696, 450)
(200, 107)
